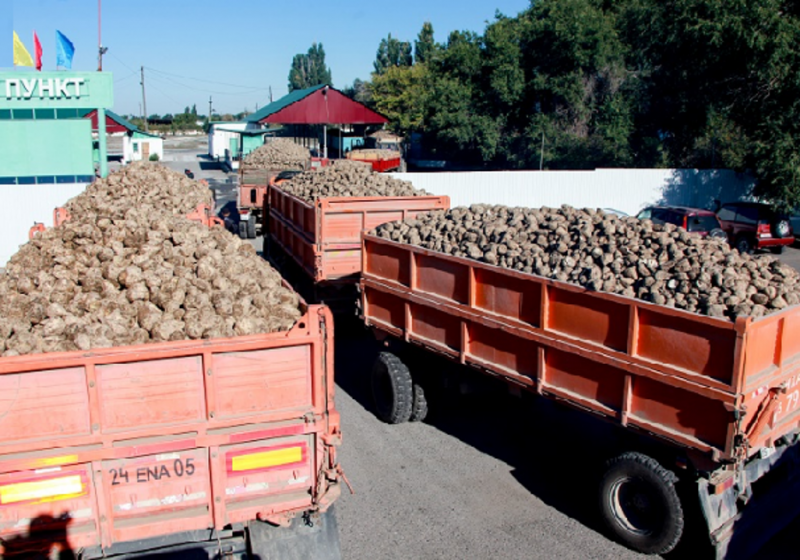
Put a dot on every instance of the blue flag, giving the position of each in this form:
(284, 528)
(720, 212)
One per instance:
(64, 51)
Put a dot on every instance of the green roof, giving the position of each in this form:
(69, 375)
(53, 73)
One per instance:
(282, 103)
(123, 122)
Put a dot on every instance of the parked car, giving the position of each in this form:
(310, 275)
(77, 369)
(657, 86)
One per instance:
(693, 220)
(753, 225)
(615, 212)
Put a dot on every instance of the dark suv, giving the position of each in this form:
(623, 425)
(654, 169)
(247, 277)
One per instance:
(752, 225)
(693, 220)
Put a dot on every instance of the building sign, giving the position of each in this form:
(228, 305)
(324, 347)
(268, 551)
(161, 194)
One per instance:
(56, 90)
(41, 88)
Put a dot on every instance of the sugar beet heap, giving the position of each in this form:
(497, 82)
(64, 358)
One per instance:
(635, 258)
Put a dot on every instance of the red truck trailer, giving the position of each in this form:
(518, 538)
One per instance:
(703, 400)
(252, 193)
(203, 214)
(226, 445)
(380, 161)
(323, 239)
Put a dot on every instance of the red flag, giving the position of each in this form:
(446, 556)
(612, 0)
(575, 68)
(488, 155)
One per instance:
(37, 46)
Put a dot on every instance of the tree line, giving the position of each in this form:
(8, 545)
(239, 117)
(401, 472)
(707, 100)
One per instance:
(581, 84)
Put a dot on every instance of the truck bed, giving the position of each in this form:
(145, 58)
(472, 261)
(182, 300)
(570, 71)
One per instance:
(138, 442)
(723, 388)
(324, 238)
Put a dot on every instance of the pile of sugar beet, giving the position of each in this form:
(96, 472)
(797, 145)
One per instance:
(347, 178)
(279, 153)
(601, 252)
(128, 268)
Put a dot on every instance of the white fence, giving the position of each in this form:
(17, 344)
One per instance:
(628, 190)
(25, 204)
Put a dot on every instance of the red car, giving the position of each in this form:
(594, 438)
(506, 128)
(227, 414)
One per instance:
(693, 220)
(753, 225)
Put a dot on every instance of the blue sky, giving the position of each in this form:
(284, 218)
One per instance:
(231, 51)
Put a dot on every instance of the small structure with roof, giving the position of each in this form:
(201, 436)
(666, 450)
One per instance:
(318, 106)
(137, 144)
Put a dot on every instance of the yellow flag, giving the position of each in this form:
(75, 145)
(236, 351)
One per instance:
(21, 55)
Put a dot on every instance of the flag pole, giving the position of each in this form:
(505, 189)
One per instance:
(99, 37)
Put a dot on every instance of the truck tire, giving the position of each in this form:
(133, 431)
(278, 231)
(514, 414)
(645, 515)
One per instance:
(392, 390)
(243, 230)
(251, 227)
(640, 505)
(419, 409)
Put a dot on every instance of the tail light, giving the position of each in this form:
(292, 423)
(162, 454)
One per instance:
(267, 458)
(44, 489)
(763, 229)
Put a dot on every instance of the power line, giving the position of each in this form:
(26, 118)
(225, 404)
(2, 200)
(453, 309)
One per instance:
(131, 75)
(203, 90)
(203, 80)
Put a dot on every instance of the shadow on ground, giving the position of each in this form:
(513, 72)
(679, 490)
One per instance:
(557, 453)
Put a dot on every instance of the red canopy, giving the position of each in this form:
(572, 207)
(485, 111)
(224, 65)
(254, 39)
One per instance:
(322, 105)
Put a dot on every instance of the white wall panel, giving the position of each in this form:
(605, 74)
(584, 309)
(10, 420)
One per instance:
(628, 190)
(23, 205)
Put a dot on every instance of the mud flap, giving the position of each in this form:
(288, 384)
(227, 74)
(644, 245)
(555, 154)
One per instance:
(773, 487)
(314, 538)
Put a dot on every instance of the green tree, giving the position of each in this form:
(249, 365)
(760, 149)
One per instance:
(359, 91)
(392, 52)
(424, 46)
(577, 85)
(309, 70)
(399, 94)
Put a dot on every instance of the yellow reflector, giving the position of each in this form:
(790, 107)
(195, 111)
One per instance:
(58, 488)
(267, 459)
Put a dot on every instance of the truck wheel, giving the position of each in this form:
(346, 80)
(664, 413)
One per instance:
(251, 227)
(419, 410)
(640, 505)
(392, 389)
(743, 245)
(243, 230)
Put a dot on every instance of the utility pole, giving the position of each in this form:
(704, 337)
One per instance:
(144, 102)
(270, 94)
(101, 50)
(209, 108)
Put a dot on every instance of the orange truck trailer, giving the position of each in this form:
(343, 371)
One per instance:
(323, 238)
(226, 446)
(252, 192)
(706, 401)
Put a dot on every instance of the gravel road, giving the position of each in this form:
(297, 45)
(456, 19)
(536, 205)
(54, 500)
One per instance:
(486, 477)
(477, 481)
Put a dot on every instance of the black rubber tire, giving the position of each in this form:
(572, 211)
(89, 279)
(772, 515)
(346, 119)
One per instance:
(717, 233)
(392, 391)
(419, 409)
(744, 245)
(251, 227)
(640, 505)
(243, 230)
(780, 229)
